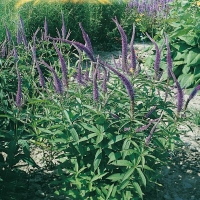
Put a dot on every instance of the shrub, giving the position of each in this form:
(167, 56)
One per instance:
(107, 135)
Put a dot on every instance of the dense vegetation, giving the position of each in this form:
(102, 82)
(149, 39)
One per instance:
(107, 129)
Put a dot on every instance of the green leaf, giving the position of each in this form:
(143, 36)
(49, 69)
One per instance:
(124, 184)
(99, 138)
(115, 177)
(90, 127)
(193, 57)
(186, 80)
(116, 139)
(114, 156)
(196, 72)
(189, 39)
(138, 189)
(74, 134)
(141, 176)
(186, 69)
(109, 191)
(128, 173)
(67, 116)
(97, 159)
(124, 163)
(88, 137)
(96, 177)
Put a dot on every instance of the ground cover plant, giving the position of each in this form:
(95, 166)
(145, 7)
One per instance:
(107, 129)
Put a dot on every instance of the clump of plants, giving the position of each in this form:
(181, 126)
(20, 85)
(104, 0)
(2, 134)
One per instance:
(183, 32)
(149, 16)
(108, 127)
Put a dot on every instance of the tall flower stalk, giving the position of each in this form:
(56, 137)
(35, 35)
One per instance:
(192, 95)
(127, 84)
(132, 52)
(124, 45)
(57, 82)
(157, 59)
(19, 90)
(63, 66)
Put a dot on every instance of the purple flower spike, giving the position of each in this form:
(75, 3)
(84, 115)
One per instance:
(3, 49)
(78, 45)
(86, 38)
(22, 30)
(63, 27)
(57, 83)
(124, 45)
(169, 59)
(180, 95)
(19, 91)
(15, 55)
(45, 28)
(95, 86)
(63, 66)
(157, 60)
(104, 86)
(126, 82)
(192, 95)
(8, 35)
(18, 37)
(132, 50)
(21, 24)
(41, 77)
